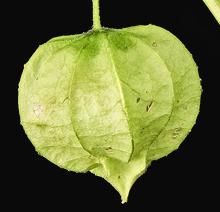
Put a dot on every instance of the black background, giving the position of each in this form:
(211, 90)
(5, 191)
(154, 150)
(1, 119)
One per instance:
(184, 179)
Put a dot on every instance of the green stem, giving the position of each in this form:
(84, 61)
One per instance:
(96, 16)
(214, 7)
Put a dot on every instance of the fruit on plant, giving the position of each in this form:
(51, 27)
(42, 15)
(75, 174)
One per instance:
(109, 101)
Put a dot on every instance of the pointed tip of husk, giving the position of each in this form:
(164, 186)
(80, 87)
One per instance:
(124, 199)
(124, 196)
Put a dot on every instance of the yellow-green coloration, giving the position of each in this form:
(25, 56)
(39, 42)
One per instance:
(109, 101)
(214, 7)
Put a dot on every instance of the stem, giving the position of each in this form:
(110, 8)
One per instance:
(214, 7)
(96, 16)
